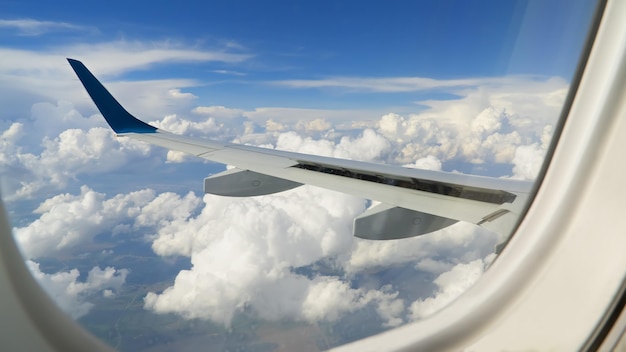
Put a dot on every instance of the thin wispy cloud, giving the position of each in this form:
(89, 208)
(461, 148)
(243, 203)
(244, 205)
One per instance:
(231, 44)
(229, 72)
(392, 84)
(45, 73)
(113, 57)
(32, 27)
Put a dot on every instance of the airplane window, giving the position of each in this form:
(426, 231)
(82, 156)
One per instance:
(445, 110)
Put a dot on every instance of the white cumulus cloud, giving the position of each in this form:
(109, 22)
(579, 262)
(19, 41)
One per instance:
(451, 284)
(71, 294)
(249, 263)
(66, 221)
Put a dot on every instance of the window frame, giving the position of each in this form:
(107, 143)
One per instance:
(527, 298)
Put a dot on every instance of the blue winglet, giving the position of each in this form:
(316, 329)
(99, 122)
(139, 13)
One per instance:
(120, 120)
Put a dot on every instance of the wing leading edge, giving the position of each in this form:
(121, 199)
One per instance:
(414, 201)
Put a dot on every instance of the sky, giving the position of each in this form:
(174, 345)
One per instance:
(447, 85)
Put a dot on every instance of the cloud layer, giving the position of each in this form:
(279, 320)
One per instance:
(288, 256)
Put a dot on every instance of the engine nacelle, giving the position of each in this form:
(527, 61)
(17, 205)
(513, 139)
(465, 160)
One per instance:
(243, 183)
(388, 222)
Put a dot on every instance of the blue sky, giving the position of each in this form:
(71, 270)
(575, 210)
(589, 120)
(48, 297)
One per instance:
(354, 36)
(282, 40)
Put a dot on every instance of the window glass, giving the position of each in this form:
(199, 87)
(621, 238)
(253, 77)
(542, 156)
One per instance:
(120, 233)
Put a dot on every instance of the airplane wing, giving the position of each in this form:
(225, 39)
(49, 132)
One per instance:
(413, 201)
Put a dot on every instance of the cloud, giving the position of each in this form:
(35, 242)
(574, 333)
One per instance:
(451, 285)
(28, 76)
(528, 161)
(111, 57)
(329, 298)
(31, 27)
(142, 55)
(218, 111)
(258, 264)
(368, 146)
(385, 84)
(427, 163)
(67, 221)
(267, 252)
(484, 126)
(400, 84)
(249, 265)
(461, 242)
(73, 152)
(56, 146)
(73, 295)
(229, 72)
(295, 115)
(261, 252)
(296, 118)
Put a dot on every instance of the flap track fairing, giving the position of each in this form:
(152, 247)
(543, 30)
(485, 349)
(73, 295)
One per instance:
(388, 222)
(244, 183)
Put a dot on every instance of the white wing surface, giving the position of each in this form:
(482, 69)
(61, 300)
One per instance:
(414, 201)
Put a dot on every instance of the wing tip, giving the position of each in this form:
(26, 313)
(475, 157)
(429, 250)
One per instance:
(75, 63)
(120, 120)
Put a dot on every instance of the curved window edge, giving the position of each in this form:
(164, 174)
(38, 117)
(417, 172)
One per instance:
(509, 304)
